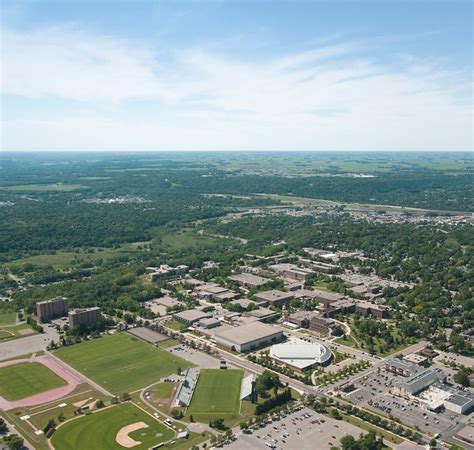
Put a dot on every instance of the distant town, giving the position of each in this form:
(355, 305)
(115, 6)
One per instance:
(198, 320)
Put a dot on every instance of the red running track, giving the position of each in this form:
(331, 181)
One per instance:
(44, 397)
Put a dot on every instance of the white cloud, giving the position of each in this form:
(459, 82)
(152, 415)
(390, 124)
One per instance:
(334, 96)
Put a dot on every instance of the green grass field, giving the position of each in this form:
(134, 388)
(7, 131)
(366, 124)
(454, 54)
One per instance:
(61, 260)
(186, 239)
(25, 379)
(98, 431)
(121, 363)
(15, 331)
(8, 318)
(217, 395)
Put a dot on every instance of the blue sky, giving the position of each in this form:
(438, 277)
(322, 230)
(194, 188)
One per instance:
(236, 75)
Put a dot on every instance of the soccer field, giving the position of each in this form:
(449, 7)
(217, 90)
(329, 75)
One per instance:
(25, 379)
(217, 394)
(101, 430)
(121, 363)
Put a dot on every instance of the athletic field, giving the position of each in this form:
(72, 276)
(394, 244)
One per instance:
(25, 379)
(217, 394)
(102, 430)
(121, 363)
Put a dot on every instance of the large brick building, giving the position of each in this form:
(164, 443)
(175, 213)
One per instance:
(51, 309)
(84, 316)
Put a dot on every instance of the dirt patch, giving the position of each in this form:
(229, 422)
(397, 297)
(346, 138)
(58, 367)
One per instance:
(123, 437)
(81, 403)
(24, 332)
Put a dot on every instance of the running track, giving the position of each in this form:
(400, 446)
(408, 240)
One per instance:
(44, 397)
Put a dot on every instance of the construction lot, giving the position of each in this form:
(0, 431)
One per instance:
(302, 430)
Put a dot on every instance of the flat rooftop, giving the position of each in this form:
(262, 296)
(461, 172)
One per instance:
(248, 333)
(191, 315)
(274, 295)
(248, 278)
(51, 300)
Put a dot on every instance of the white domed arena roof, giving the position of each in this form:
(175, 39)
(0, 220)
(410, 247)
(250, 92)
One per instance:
(301, 354)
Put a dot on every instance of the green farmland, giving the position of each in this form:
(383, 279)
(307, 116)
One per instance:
(99, 431)
(121, 363)
(25, 379)
(217, 395)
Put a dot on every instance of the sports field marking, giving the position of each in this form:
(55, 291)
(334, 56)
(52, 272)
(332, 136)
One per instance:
(121, 363)
(217, 394)
(99, 430)
(24, 379)
(123, 437)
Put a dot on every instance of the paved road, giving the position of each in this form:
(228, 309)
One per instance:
(28, 344)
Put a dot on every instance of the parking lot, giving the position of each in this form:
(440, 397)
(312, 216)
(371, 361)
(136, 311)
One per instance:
(302, 430)
(198, 358)
(372, 393)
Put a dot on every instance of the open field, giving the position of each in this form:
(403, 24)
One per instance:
(99, 431)
(60, 259)
(15, 331)
(8, 318)
(217, 394)
(25, 379)
(53, 187)
(186, 239)
(121, 363)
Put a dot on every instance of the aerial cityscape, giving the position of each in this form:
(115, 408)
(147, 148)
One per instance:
(237, 225)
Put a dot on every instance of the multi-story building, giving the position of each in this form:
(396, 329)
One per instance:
(249, 280)
(84, 316)
(417, 382)
(274, 298)
(367, 308)
(401, 367)
(323, 325)
(164, 271)
(51, 309)
(291, 271)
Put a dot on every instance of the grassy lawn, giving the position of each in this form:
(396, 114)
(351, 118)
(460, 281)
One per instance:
(367, 426)
(168, 343)
(83, 394)
(217, 395)
(16, 331)
(8, 318)
(163, 390)
(25, 379)
(192, 440)
(176, 326)
(98, 431)
(347, 341)
(121, 363)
